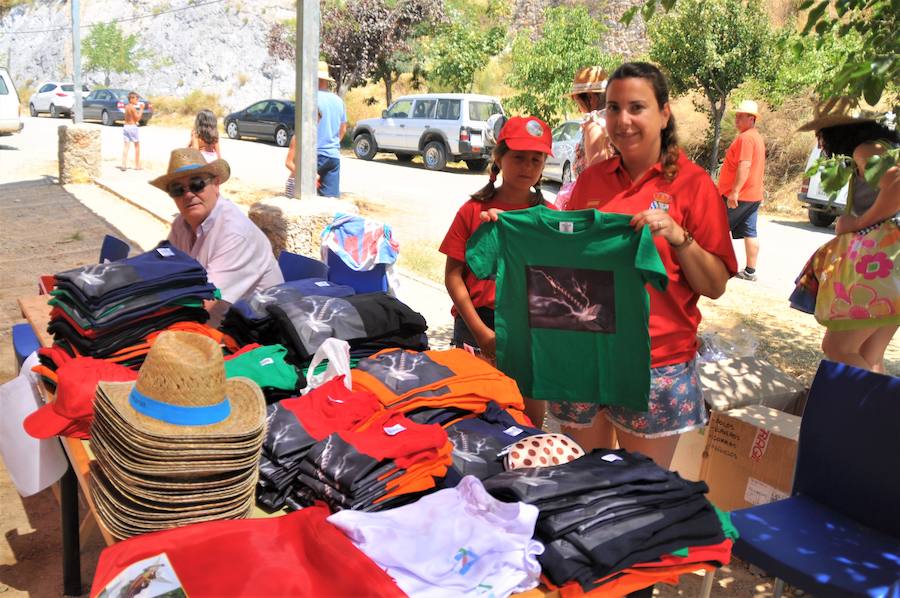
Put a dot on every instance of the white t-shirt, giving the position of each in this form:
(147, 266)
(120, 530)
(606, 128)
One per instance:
(456, 542)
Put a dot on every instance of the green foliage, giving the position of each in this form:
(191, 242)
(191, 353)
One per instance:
(875, 67)
(542, 68)
(107, 50)
(712, 46)
(794, 63)
(461, 48)
(836, 171)
(363, 36)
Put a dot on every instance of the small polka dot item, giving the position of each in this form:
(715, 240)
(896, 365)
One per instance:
(543, 450)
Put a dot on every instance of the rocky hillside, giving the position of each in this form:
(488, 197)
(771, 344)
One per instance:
(213, 46)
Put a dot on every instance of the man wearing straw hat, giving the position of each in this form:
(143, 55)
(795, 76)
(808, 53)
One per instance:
(236, 254)
(332, 126)
(741, 182)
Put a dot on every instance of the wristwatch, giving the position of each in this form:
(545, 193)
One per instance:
(688, 239)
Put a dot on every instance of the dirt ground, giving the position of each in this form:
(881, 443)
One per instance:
(30, 554)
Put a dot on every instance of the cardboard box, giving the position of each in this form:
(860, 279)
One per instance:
(743, 381)
(750, 456)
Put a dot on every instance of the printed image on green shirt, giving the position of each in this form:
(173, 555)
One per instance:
(572, 307)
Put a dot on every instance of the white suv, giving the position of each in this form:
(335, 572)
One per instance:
(10, 121)
(441, 127)
(55, 98)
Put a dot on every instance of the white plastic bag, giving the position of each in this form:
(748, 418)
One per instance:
(32, 464)
(337, 352)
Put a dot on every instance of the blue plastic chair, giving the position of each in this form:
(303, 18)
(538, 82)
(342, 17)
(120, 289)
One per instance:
(297, 267)
(368, 281)
(113, 249)
(839, 532)
(25, 342)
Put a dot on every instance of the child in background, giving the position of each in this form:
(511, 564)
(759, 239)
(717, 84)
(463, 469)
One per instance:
(205, 135)
(522, 147)
(130, 132)
(290, 183)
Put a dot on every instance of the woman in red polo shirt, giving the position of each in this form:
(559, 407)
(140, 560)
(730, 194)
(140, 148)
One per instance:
(651, 178)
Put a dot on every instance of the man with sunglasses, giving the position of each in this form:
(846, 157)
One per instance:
(236, 254)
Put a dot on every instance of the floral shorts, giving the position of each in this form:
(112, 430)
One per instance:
(675, 405)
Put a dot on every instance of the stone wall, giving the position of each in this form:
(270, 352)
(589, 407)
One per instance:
(79, 153)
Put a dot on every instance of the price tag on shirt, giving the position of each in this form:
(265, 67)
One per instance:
(566, 227)
(394, 430)
(611, 458)
(165, 251)
(513, 431)
(323, 283)
(267, 361)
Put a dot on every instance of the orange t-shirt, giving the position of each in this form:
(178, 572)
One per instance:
(747, 146)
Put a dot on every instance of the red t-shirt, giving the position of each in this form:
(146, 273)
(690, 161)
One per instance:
(692, 201)
(467, 219)
(749, 147)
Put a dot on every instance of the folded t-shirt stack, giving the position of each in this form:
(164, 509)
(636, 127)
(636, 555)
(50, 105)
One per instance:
(455, 542)
(369, 323)
(607, 511)
(268, 367)
(408, 381)
(388, 462)
(248, 321)
(296, 425)
(109, 310)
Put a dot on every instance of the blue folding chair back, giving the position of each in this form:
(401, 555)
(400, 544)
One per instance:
(839, 532)
(113, 249)
(297, 267)
(362, 281)
(25, 342)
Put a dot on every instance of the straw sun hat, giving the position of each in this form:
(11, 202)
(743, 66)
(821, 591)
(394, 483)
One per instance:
(837, 111)
(180, 445)
(181, 392)
(590, 79)
(187, 161)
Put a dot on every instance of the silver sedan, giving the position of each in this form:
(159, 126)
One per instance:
(559, 166)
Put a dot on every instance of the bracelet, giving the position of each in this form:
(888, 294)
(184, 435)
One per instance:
(688, 239)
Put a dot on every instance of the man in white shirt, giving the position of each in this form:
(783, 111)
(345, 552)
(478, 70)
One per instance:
(236, 254)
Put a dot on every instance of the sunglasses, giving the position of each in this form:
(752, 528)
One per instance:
(195, 185)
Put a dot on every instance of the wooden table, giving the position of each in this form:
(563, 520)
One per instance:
(37, 311)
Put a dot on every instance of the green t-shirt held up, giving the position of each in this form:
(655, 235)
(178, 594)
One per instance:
(572, 307)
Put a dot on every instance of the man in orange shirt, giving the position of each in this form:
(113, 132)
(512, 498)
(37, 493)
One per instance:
(741, 182)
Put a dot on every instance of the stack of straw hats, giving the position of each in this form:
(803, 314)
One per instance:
(179, 446)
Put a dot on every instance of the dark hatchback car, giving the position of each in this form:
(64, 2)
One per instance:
(268, 119)
(108, 106)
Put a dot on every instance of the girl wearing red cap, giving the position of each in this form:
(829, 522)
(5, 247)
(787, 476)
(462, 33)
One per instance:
(522, 148)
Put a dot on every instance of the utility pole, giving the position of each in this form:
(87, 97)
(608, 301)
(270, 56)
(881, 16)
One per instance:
(306, 88)
(77, 114)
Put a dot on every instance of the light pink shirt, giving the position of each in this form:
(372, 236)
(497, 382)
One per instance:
(236, 254)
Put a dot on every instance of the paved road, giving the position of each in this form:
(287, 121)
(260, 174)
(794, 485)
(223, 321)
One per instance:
(421, 203)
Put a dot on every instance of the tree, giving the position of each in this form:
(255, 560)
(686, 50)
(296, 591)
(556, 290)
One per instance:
(542, 69)
(461, 48)
(712, 46)
(280, 46)
(361, 36)
(108, 51)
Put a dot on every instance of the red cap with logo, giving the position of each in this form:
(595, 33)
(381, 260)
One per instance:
(527, 133)
(73, 410)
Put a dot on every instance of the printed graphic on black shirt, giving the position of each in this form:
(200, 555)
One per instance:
(571, 299)
(402, 371)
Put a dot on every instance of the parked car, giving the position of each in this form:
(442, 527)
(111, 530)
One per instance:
(821, 211)
(10, 116)
(566, 136)
(268, 119)
(108, 106)
(440, 127)
(54, 97)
